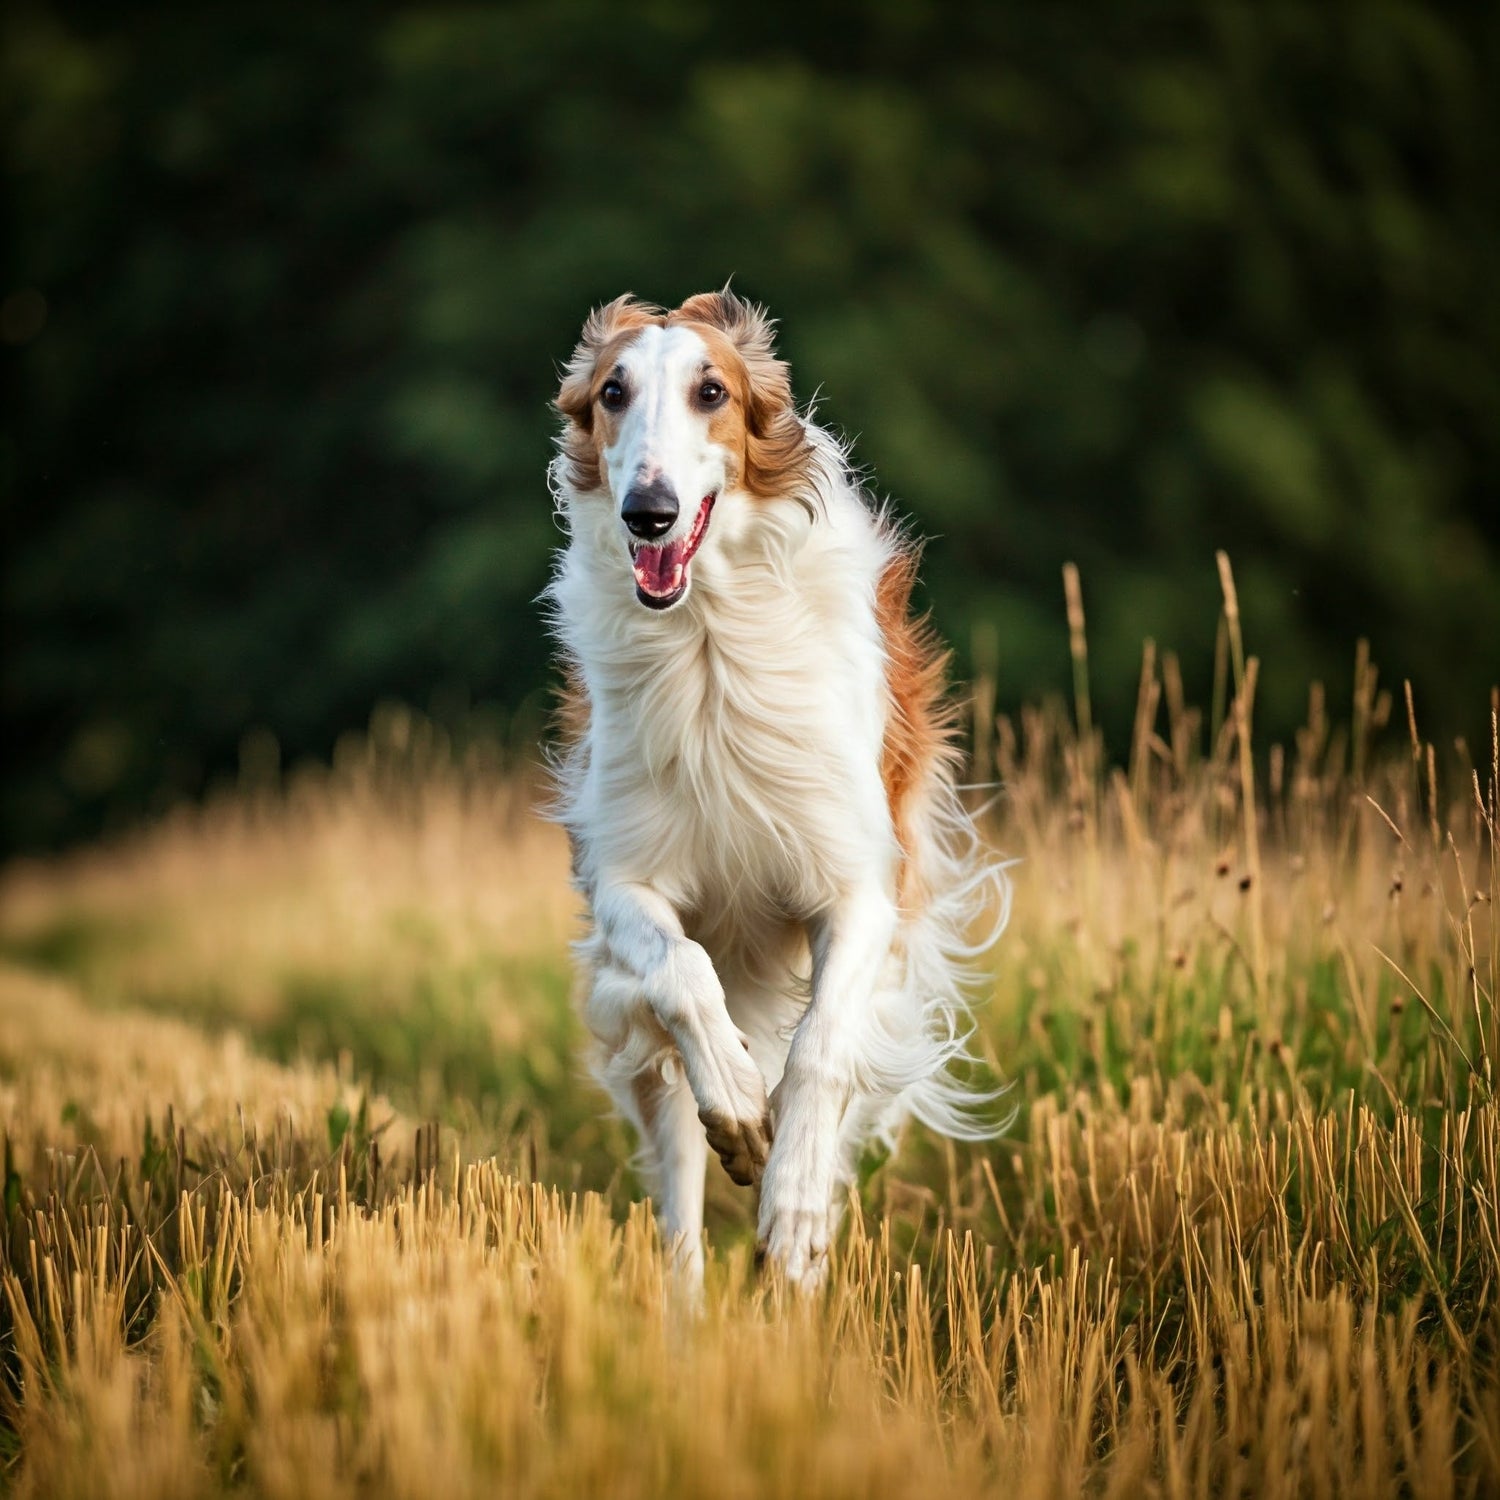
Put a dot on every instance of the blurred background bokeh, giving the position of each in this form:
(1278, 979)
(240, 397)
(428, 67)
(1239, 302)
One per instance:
(285, 288)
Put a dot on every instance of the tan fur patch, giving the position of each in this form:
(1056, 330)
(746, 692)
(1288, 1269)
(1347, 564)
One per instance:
(776, 451)
(571, 718)
(921, 727)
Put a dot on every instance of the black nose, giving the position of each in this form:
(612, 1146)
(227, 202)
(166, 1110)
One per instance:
(650, 509)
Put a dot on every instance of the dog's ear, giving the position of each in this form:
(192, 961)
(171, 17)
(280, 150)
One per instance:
(752, 332)
(777, 448)
(602, 327)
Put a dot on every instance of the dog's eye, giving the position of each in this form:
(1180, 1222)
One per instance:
(612, 395)
(711, 393)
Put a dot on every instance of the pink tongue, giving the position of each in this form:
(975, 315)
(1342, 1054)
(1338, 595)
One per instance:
(658, 570)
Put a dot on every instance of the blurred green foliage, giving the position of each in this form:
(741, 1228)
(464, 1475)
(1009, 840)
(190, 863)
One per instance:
(287, 287)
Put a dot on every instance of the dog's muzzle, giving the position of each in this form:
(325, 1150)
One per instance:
(661, 568)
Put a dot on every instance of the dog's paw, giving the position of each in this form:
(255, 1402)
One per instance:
(735, 1111)
(743, 1145)
(795, 1240)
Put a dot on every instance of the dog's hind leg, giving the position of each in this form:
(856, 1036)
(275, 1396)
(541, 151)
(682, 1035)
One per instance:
(678, 1149)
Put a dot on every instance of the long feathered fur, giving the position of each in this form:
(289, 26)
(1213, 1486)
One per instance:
(726, 711)
(786, 896)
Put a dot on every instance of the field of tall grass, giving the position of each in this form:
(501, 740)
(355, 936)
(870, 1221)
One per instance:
(306, 1192)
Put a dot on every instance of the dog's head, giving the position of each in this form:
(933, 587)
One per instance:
(683, 423)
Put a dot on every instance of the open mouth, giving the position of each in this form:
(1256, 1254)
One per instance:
(661, 572)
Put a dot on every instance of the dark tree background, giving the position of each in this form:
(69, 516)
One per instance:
(285, 289)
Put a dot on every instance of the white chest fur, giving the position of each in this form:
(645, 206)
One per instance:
(733, 752)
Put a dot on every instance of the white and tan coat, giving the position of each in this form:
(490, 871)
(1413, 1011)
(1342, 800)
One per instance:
(785, 894)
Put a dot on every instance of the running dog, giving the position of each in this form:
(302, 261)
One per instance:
(758, 778)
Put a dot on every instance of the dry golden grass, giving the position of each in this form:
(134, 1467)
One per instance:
(1243, 1239)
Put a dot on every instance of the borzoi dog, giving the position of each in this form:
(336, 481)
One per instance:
(785, 894)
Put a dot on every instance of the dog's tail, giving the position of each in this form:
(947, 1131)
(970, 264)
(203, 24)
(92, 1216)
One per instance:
(920, 1054)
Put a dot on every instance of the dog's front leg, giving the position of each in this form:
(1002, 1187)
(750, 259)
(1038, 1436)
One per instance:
(677, 978)
(798, 1208)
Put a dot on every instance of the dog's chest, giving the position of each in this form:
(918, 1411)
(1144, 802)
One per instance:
(746, 769)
